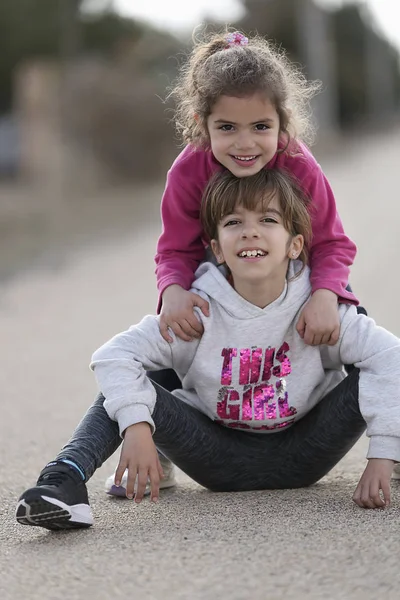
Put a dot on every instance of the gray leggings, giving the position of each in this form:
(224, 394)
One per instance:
(223, 459)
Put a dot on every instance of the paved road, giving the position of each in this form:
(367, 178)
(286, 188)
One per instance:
(285, 545)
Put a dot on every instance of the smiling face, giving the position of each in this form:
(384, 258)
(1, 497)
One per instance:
(243, 133)
(256, 247)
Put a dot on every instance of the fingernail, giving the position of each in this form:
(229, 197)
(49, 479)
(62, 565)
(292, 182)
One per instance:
(129, 496)
(117, 483)
(155, 499)
(138, 501)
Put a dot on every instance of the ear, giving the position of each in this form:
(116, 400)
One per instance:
(217, 252)
(295, 247)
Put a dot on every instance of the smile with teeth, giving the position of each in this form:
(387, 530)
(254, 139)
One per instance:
(245, 158)
(251, 253)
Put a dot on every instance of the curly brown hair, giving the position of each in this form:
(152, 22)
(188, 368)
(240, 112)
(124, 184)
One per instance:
(215, 68)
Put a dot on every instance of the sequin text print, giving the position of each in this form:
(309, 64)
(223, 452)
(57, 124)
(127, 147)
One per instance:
(258, 400)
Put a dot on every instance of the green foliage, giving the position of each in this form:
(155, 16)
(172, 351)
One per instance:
(39, 28)
(350, 37)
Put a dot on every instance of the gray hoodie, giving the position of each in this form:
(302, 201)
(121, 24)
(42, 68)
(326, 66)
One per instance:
(251, 370)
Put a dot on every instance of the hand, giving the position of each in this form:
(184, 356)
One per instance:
(177, 314)
(376, 477)
(139, 455)
(319, 321)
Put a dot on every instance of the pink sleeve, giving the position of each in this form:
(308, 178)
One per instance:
(180, 248)
(332, 252)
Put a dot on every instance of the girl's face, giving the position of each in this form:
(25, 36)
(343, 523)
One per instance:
(256, 247)
(243, 133)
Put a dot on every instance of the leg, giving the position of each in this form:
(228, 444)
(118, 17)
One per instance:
(169, 380)
(222, 459)
(97, 437)
(60, 500)
(94, 440)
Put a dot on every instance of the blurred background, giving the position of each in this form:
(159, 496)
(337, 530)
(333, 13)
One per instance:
(85, 133)
(85, 143)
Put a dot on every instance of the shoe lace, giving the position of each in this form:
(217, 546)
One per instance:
(55, 478)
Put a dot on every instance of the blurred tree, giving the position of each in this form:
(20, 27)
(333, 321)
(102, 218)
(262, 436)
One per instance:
(354, 42)
(350, 37)
(360, 55)
(51, 28)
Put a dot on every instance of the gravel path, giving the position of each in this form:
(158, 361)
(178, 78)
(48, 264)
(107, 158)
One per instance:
(288, 545)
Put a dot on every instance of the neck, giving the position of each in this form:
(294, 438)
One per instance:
(260, 293)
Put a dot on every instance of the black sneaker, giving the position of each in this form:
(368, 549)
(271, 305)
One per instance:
(58, 501)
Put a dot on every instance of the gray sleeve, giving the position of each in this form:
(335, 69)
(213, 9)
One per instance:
(120, 367)
(376, 352)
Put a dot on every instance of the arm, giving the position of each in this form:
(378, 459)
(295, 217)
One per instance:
(332, 252)
(376, 352)
(120, 368)
(180, 248)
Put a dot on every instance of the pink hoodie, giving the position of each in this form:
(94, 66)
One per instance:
(181, 245)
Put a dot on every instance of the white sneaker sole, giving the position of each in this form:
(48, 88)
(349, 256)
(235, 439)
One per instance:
(52, 513)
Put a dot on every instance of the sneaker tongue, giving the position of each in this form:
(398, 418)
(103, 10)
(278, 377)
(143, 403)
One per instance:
(53, 478)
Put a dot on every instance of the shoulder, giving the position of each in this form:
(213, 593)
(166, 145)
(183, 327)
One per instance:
(194, 164)
(297, 158)
(299, 283)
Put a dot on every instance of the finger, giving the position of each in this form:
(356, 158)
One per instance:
(195, 324)
(178, 331)
(334, 336)
(317, 340)
(374, 495)
(357, 496)
(189, 330)
(154, 484)
(202, 304)
(142, 480)
(120, 472)
(130, 486)
(165, 333)
(366, 497)
(308, 337)
(325, 339)
(300, 327)
(160, 469)
(386, 491)
(361, 496)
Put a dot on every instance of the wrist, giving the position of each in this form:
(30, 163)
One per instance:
(325, 293)
(143, 426)
(171, 290)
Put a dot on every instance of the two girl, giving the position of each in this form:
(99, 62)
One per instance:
(258, 408)
(242, 106)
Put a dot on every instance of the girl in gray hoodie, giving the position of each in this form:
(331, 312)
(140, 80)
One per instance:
(257, 408)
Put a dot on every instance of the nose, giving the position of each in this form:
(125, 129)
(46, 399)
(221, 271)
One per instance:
(250, 230)
(244, 141)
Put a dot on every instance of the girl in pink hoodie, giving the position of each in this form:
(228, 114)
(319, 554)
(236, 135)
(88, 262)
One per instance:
(242, 106)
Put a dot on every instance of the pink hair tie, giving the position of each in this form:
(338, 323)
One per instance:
(236, 39)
